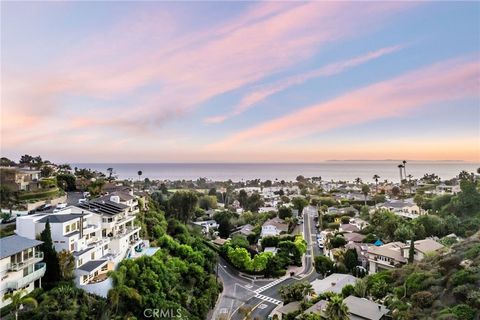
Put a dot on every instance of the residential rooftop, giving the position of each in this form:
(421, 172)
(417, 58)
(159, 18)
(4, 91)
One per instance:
(14, 244)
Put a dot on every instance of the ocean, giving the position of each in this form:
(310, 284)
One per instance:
(328, 170)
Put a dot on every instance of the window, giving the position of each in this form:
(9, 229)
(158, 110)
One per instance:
(67, 229)
(92, 256)
(80, 262)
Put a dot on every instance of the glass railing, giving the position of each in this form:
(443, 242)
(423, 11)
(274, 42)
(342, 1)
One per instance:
(15, 266)
(39, 271)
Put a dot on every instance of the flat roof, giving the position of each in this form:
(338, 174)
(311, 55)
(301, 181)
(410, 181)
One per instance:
(92, 265)
(60, 218)
(14, 244)
(104, 206)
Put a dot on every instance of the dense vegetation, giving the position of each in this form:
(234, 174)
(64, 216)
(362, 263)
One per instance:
(290, 250)
(439, 287)
(458, 214)
(178, 277)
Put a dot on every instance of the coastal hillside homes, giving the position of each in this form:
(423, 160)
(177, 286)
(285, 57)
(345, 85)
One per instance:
(348, 228)
(122, 197)
(405, 208)
(422, 248)
(358, 309)
(99, 234)
(274, 227)
(20, 265)
(19, 179)
(386, 257)
(443, 189)
(353, 237)
(245, 230)
(206, 225)
(391, 255)
(334, 283)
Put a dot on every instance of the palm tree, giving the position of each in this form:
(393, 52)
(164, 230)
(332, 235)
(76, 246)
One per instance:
(139, 175)
(360, 288)
(365, 191)
(358, 180)
(110, 173)
(400, 166)
(410, 182)
(405, 168)
(376, 177)
(18, 300)
(336, 309)
(307, 291)
(120, 290)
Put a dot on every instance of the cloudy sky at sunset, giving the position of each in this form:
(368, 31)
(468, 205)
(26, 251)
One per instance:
(240, 82)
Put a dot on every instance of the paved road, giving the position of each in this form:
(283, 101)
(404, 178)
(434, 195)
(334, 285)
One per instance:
(266, 298)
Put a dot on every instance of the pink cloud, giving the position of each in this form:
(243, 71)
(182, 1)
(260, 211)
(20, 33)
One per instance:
(262, 92)
(188, 68)
(444, 81)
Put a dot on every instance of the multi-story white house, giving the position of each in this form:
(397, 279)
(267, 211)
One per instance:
(404, 208)
(442, 189)
(385, 257)
(274, 227)
(394, 254)
(99, 234)
(20, 265)
(422, 248)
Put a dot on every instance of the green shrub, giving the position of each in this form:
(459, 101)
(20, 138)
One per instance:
(422, 299)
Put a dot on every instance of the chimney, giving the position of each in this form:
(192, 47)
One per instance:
(81, 225)
(379, 308)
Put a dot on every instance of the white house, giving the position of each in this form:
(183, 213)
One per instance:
(20, 265)
(394, 254)
(99, 238)
(207, 225)
(422, 247)
(334, 283)
(385, 257)
(443, 189)
(274, 227)
(404, 208)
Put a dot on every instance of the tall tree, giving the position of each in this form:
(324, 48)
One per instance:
(121, 291)
(375, 178)
(404, 162)
(323, 265)
(365, 191)
(401, 172)
(243, 198)
(67, 264)
(110, 174)
(52, 273)
(182, 205)
(139, 173)
(411, 251)
(26, 160)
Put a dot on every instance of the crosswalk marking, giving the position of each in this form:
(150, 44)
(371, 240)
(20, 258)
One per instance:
(265, 287)
(268, 299)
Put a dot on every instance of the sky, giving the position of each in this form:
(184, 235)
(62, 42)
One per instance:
(240, 81)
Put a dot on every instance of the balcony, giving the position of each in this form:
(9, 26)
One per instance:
(25, 281)
(126, 232)
(37, 257)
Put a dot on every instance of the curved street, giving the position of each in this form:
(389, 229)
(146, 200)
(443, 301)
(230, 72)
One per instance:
(262, 295)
